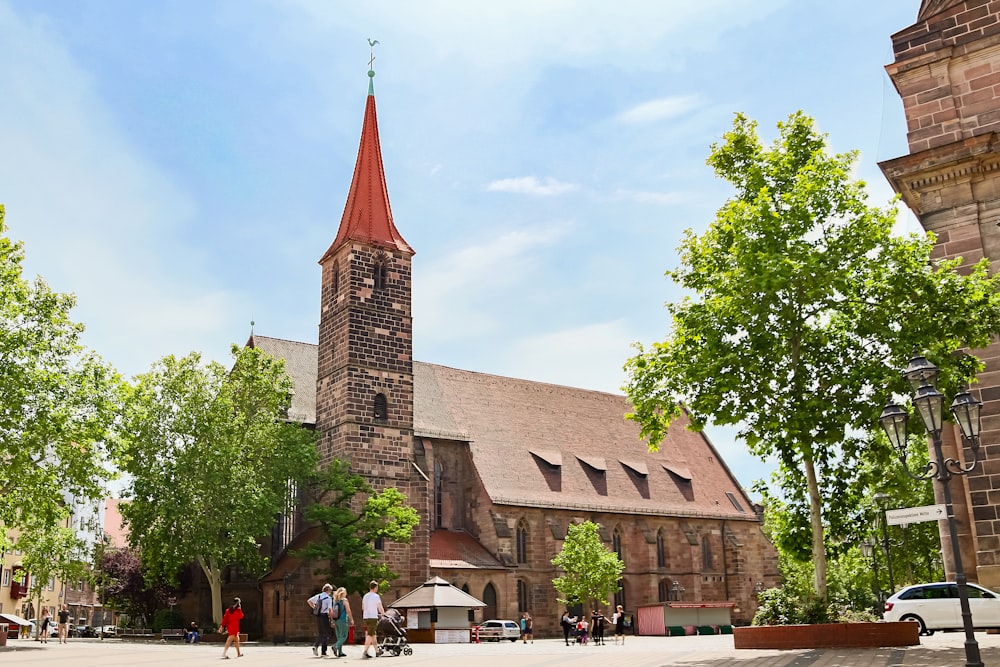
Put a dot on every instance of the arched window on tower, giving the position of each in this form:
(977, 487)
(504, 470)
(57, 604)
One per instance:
(661, 549)
(522, 596)
(706, 552)
(522, 541)
(381, 408)
(380, 271)
(616, 544)
(438, 494)
(336, 278)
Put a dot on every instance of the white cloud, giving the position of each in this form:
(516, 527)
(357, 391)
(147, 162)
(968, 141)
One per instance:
(529, 185)
(453, 294)
(97, 219)
(664, 108)
(589, 356)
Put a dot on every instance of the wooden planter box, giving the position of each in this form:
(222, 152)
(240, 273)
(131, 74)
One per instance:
(827, 635)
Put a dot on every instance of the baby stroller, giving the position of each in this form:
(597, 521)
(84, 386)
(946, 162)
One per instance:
(392, 635)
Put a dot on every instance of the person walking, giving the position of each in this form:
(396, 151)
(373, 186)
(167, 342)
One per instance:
(231, 626)
(529, 628)
(371, 611)
(43, 629)
(321, 605)
(618, 618)
(597, 627)
(63, 616)
(343, 620)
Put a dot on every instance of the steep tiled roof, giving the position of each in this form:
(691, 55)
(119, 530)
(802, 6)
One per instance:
(451, 549)
(545, 445)
(367, 216)
(515, 429)
(300, 362)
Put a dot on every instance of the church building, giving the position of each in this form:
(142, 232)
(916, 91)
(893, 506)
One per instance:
(947, 72)
(497, 467)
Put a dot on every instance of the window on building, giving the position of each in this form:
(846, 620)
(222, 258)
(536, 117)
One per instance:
(52, 583)
(616, 544)
(465, 588)
(6, 578)
(620, 595)
(380, 271)
(522, 596)
(735, 501)
(663, 590)
(277, 603)
(490, 600)
(522, 541)
(381, 408)
(379, 544)
(706, 552)
(336, 277)
(661, 549)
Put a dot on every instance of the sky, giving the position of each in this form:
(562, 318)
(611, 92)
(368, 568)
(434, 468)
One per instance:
(181, 166)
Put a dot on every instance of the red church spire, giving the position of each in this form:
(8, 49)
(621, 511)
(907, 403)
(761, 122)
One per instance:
(367, 215)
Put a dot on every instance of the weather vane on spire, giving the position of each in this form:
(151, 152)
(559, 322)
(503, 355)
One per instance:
(371, 61)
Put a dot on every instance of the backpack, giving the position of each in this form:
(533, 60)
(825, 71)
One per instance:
(317, 610)
(336, 610)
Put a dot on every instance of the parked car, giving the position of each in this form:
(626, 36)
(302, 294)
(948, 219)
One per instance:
(494, 630)
(86, 631)
(936, 607)
(106, 631)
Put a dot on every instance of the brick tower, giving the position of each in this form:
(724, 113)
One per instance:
(947, 70)
(364, 386)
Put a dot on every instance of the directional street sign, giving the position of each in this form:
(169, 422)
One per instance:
(916, 514)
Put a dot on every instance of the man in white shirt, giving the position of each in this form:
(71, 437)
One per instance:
(371, 611)
(321, 605)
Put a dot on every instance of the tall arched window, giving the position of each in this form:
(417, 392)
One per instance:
(438, 494)
(661, 549)
(381, 408)
(706, 553)
(490, 600)
(380, 271)
(522, 541)
(616, 544)
(620, 595)
(663, 590)
(522, 596)
(336, 277)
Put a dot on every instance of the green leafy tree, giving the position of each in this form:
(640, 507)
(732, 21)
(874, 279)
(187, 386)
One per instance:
(804, 307)
(57, 402)
(591, 570)
(211, 462)
(351, 517)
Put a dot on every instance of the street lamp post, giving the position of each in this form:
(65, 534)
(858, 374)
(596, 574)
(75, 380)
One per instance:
(868, 551)
(882, 500)
(929, 402)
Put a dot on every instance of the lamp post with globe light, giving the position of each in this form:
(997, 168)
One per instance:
(929, 403)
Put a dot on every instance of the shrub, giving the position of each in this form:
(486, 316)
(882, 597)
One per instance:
(167, 618)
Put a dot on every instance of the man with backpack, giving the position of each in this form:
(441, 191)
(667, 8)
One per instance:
(322, 605)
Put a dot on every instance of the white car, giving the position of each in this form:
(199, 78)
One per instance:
(36, 628)
(936, 607)
(496, 630)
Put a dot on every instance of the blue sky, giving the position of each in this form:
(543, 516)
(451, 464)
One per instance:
(181, 166)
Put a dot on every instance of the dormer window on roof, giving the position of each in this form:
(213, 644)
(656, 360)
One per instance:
(735, 501)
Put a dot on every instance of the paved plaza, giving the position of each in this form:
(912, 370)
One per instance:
(699, 651)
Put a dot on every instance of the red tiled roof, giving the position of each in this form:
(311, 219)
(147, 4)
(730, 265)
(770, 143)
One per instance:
(367, 216)
(515, 429)
(455, 549)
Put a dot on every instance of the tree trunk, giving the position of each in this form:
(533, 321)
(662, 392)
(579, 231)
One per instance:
(214, 576)
(816, 516)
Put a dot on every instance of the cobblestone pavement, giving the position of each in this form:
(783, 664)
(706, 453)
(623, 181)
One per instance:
(940, 650)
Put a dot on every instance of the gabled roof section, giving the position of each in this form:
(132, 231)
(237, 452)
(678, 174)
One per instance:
(367, 215)
(459, 550)
(300, 364)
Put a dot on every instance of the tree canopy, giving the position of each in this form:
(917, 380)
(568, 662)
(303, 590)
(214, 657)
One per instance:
(803, 307)
(591, 571)
(57, 402)
(349, 526)
(211, 463)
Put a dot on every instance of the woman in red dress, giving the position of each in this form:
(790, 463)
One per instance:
(231, 626)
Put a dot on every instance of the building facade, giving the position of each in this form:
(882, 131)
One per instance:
(947, 72)
(497, 467)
